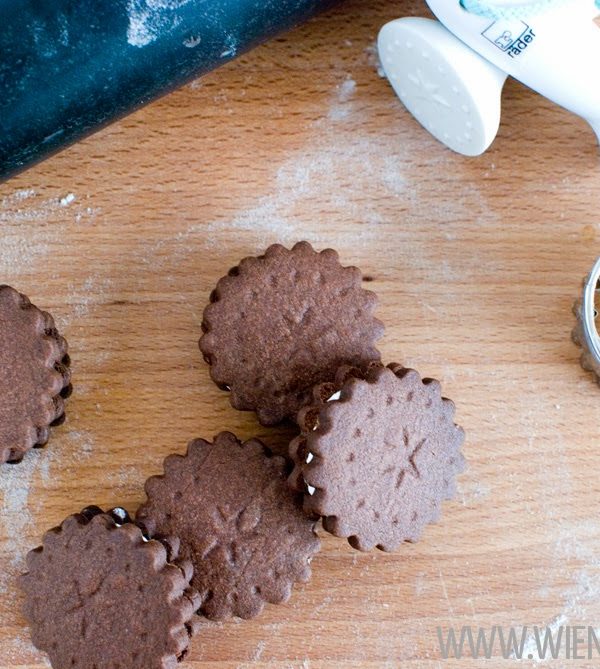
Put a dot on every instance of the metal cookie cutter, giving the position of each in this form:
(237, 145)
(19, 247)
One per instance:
(585, 334)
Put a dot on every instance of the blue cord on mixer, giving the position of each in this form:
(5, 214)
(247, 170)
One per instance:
(505, 10)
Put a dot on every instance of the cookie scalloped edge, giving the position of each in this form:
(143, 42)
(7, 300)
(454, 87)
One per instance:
(228, 280)
(167, 560)
(58, 363)
(313, 419)
(281, 464)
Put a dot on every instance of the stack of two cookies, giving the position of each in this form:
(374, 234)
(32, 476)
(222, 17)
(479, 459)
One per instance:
(292, 335)
(229, 526)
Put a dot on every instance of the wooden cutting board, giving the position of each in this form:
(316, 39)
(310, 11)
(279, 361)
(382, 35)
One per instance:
(476, 262)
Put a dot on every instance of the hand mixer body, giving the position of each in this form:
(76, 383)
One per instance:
(556, 52)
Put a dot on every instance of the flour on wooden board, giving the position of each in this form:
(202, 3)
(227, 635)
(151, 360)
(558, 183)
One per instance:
(258, 651)
(32, 226)
(346, 91)
(313, 174)
(124, 480)
(22, 205)
(67, 450)
(318, 173)
(347, 173)
(15, 484)
(82, 297)
(372, 53)
(575, 542)
(17, 521)
(344, 171)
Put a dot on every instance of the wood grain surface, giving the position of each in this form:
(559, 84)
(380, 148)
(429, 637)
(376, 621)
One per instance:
(476, 262)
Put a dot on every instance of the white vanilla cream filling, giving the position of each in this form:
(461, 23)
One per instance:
(310, 457)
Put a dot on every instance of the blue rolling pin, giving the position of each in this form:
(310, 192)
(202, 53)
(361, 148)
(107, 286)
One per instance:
(69, 67)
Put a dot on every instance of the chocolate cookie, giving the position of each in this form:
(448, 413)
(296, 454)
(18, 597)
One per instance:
(240, 524)
(100, 595)
(283, 322)
(34, 375)
(378, 454)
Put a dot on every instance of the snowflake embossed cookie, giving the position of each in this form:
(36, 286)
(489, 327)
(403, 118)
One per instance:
(239, 523)
(284, 321)
(99, 594)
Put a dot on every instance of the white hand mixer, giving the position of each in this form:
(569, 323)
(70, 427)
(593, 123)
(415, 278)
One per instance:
(450, 74)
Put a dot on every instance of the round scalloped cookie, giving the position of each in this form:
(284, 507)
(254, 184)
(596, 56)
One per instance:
(239, 522)
(282, 322)
(378, 454)
(99, 594)
(34, 375)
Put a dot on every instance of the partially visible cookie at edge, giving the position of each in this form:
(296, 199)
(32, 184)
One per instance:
(239, 522)
(34, 375)
(99, 594)
(378, 454)
(280, 323)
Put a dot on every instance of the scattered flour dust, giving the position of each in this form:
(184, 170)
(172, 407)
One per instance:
(32, 226)
(313, 177)
(575, 542)
(16, 525)
(67, 200)
(16, 517)
(342, 110)
(23, 205)
(345, 171)
(258, 651)
(83, 297)
(372, 54)
(149, 18)
(319, 173)
(124, 480)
